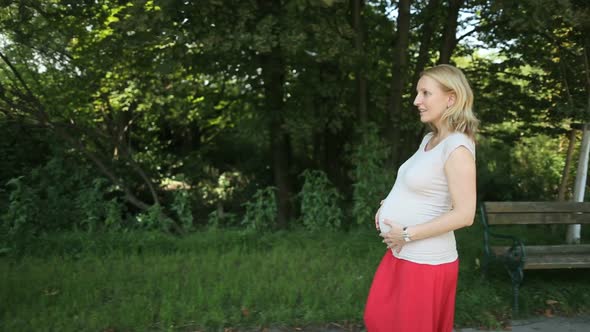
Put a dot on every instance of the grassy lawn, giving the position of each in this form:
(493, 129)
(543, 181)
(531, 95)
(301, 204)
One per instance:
(216, 279)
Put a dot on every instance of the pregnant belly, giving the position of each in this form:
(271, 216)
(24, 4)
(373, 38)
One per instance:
(405, 213)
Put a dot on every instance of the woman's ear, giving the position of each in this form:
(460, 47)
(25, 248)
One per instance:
(451, 100)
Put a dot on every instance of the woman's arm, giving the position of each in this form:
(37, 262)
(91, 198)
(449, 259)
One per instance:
(460, 173)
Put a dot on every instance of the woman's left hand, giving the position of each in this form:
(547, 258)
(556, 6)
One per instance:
(394, 238)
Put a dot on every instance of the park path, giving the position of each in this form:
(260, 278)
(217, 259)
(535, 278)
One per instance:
(538, 324)
(545, 324)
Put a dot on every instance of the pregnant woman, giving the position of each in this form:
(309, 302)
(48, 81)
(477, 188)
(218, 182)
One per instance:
(434, 194)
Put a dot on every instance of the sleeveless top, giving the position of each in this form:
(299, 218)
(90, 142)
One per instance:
(421, 193)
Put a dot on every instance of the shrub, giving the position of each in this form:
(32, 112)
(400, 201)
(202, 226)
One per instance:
(261, 211)
(320, 202)
(372, 179)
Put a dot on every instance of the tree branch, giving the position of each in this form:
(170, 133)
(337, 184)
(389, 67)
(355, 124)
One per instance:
(467, 34)
(37, 108)
(16, 73)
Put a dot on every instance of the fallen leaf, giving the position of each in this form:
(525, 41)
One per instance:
(245, 312)
(51, 292)
(548, 313)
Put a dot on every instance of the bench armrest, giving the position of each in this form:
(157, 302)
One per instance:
(517, 243)
(517, 249)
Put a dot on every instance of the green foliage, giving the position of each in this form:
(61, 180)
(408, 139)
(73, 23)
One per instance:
(222, 191)
(114, 214)
(216, 220)
(494, 182)
(91, 203)
(320, 202)
(529, 169)
(153, 219)
(225, 186)
(61, 195)
(154, 93)
(122, 281)
(23, 209)
(261, 210)
(182, 207)
(23, 147)
(371, 177)
(550, 59)
(537, 166)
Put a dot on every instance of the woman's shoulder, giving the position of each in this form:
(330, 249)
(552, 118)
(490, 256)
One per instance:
(457, 139)
(458, 136)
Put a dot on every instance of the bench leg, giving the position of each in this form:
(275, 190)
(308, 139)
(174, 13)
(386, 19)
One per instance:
(485, 266)
(517, 276)
(515, 288)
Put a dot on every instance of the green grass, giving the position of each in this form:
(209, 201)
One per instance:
(216, 279)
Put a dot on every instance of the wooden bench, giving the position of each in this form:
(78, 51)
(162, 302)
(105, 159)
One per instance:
(519, 256)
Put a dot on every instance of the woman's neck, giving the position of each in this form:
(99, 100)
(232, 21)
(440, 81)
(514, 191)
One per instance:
(441, 132)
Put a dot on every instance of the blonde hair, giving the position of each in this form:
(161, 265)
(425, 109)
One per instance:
(459, 117)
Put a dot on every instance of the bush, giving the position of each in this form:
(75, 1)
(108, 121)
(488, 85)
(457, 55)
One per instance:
(19, 221)
(154, 219)
(261, 211)
(372, 179)
(319, 202)
(182, 208)
(538, 163)
(60, 195)
(529, 169)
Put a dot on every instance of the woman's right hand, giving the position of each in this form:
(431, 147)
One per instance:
(377, 217)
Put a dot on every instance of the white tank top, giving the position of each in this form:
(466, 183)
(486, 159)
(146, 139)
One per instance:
(421, 193)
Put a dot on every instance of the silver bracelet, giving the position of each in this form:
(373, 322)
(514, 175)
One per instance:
(405, 234)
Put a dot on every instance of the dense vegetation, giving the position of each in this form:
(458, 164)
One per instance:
(184, 117)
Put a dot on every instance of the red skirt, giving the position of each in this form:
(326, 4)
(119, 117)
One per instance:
(411, 297)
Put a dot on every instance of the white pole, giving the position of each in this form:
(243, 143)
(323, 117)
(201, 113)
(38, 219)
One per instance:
(574, 231)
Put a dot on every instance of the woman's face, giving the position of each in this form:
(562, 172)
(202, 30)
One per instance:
(431, 100)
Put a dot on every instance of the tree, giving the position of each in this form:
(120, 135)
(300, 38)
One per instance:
(357, 24)
(400, 74)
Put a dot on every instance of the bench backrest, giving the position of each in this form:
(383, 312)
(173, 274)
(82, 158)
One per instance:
(510, 213)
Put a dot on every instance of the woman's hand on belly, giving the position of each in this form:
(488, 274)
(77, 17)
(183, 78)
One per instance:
(394, 238)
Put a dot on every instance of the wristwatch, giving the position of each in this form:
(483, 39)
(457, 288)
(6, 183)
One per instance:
(405, 234)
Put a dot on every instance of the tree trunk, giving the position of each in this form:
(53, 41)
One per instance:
(361, 80)
(400, 76)
(273, 74)
(573, 231)
(427, 31)
(319, 130)
(425, 40)
(568, 160)
(450, 34)
(565, 174)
